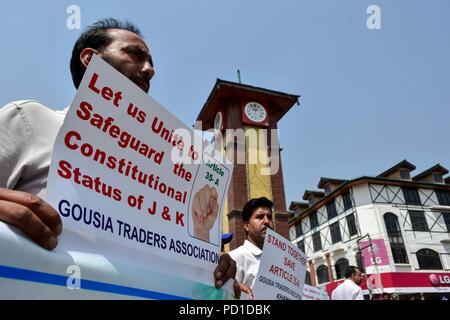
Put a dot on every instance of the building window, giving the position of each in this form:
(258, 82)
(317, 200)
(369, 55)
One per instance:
(298, 229)
(331, 210)
(399, 254)
(347, 200)
(340, 267)
(412, 196)
(307, 278)
(322, 274)
(351, 224)
(335, 232)
(418, 220)
(301, 245)
(313, 220)
(404, 174)
(327, 190)
(317, 243)
(446, 216)
(428, 259)
(395, 238)
(437, 178)
(443, 197)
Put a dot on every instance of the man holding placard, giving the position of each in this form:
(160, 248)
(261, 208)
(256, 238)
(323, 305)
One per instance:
(28, 130)
(276, 273)
(257, 218)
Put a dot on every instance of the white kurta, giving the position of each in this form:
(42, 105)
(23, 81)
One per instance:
(347, 290)
(247, 259)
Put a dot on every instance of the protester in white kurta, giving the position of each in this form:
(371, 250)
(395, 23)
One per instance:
(28, 129)
(257, 217)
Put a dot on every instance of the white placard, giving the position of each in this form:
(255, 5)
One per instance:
(314, 293)
(126, 170)
(281, 274)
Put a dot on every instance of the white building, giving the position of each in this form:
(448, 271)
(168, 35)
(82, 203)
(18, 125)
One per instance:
(406, 219)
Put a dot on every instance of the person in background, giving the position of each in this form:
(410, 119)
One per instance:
(395, 296)
(386, 296)
(349, 289)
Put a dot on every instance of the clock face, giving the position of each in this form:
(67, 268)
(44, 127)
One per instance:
(218, 121)
(255, 112)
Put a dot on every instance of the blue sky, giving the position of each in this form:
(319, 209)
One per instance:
(370, 98)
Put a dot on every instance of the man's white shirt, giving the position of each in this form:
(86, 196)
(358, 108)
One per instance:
(28, 130)
(347, 290)
(247, 259)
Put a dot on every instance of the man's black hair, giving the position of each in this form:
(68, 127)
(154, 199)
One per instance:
(96, 37)
(252, 204)
(351, 270)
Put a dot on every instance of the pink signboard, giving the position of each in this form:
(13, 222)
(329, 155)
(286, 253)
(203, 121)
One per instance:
(379, 255)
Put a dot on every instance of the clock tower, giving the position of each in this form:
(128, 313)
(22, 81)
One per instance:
(254, 112)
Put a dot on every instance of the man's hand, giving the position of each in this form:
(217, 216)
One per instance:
(239, 288)
(247, 290)
(32, 215)
(204, 211)
(225, 270)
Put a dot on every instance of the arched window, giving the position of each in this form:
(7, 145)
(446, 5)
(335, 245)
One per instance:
(395, 238)
(340, 267)
(308, 278)
(429, 259)
(322, 274)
